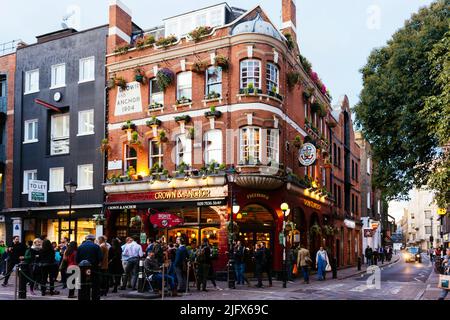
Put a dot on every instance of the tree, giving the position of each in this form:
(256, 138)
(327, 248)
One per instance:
(398, 84)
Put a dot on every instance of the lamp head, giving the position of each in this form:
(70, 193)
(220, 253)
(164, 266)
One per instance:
(284, 207)
(70, 187)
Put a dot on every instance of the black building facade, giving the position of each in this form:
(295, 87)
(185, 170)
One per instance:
(59, 124)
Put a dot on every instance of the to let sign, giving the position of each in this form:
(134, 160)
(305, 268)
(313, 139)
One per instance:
(129, 100)
(37, 191)
(165, 220)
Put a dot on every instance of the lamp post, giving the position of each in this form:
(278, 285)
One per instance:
(70, 188)
(231, 177)
(285, 208)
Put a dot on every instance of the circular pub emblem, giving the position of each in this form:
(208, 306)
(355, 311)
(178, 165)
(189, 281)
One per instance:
(307, 154)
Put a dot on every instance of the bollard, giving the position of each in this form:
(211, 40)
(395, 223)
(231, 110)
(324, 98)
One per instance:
(162, 283)
(359, 263)
(22, 270)
(141, 277)
(187, 276)
(334, 268)
(84, 293)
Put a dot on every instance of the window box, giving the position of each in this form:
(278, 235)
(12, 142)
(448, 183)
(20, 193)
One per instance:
(184, 118)
(155, 106)
(129, 126)
(164, 43)
(122, 49)
(213, 96)
(183, 101)
(213, 113)
(105, 147)
(153, 122)
(250, 91)
(199, 33)
(276, 95)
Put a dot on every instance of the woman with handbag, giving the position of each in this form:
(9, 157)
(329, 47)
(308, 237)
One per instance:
(322, 263)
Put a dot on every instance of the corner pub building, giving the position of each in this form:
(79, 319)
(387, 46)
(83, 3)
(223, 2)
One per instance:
(220, 88)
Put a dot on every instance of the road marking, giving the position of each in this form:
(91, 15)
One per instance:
(417, 280)
(360, 288)
(395, 290)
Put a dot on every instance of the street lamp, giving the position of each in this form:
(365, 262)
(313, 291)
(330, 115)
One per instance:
(285, 208)
(70, 188)
(231, 177)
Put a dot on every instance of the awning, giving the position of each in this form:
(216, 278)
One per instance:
(47, 105)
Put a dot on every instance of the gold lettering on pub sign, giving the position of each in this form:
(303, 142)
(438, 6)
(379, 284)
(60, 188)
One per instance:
(182, 194)
(311, 204)
(258, 195)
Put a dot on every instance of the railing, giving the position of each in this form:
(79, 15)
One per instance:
(9, 47)
(3, 104)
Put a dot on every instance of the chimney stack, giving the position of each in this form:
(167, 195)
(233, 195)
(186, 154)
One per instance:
(289, 18)
(120, 25)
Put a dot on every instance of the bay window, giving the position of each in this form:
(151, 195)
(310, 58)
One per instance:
(184, 85)
(273, 150)
(272, 77)
(213, 81)
(249, 145)
(250, 73)
(213, 146)
(184, 150)
(60, 134)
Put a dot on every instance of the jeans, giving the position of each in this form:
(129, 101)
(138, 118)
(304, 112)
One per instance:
(239, 269)
(444, 294)
(305, 272)
(167, 279)
(258, 271)
(131, 270)
(181, 278)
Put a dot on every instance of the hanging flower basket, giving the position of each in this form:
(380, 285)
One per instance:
(293, 78)
(199, 33)
(213, 113)
(184, 118)
(153, 121)
(199, 67)
(135, 221)
(105, 147)
(99, 219)
(316, 229)
(139, 76)
(121, 82)
(329, 230)
(162, 136)
(298, 142)
(164, 78)
(222, 61)
(129, 125)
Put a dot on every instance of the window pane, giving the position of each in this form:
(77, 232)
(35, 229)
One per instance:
(213, 146)
(214, 80)
(85, 176)
(86, 122)
(56, 179)
(184, 85)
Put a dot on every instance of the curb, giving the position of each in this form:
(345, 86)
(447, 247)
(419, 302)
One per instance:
(362, 272)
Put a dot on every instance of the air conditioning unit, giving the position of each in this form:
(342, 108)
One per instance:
(2, 219)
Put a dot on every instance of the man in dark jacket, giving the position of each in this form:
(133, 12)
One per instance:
(181, 255)
(91, 252)
(15, 253)
(259, 257)
(203, 264)
(267, 262)
(368, 254)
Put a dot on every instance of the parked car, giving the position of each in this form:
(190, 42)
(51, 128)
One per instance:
(412, 254)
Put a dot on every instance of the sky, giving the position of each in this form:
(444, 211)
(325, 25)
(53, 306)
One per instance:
(337, 36)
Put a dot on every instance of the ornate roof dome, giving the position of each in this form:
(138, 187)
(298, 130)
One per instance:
(257, 25)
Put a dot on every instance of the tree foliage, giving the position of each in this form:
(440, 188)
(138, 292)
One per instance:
(401, 102)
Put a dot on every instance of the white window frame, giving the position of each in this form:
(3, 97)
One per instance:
(187, 153)
(54, 69)
(54, 139)
(368, 165)
(81, 125)
(216, 146)
(254, 149)
(79, 175)
(272, 77)
(253, 76)
(184, 86)
(159, 95)
(126, 159)
(368, 200)
(51, 187)
(35, 131)
(273, 145)
(26, 180)
(82, 72)
(153, 157)
(212, 84)
(29, 80)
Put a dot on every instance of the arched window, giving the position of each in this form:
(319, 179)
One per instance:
(213, 146)
(251, 73)
(250, 145)
(272, 77)
(184, 150)
(130, 158)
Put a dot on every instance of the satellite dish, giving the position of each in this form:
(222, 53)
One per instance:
(72, 17)
(64, 25)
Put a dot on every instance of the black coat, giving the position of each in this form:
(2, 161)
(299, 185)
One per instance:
(91, 252)
(260, 257)
(46, 257)
(115, 260)
(17, 251)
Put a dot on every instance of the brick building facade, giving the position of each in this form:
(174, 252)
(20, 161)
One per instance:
(236, 96)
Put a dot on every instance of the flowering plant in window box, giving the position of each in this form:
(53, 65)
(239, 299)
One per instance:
(212, 95)
(213, 113)
(121, 82)
(199, 67)
(222, 61)
(113, 179)
(129, 125)
(155, 105)
(140, 43)
(200, 32)
(164, 78)
(184, 100)
(274, 93)
(181, 170)
(167, 41)
(153, 122)
(139, 76)
(184, 118)
(250, 90)
(149, 40)
(122, 49)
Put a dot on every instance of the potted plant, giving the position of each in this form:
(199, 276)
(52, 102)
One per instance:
(111, 83)
(212, 95)
(316, 229)
(153, 122)
(181, 170)
(315, 106)
(222, 168)
(213, 113)
(162, 136)
(149, 40)
(273, 91)
(140, 43)
(191, 133)
(121, 82)
(289, 40)
(298, 142)
(167, 41)
(199, 67)
(139, 76)
(164, 78)
(293, 78)
(222, 62)
(135, 138)
(105, 147)
(185, 118)
(199, 33)
(122, 49)
(99, 219)
(184, 100)
(129, 125)
(135, 221)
